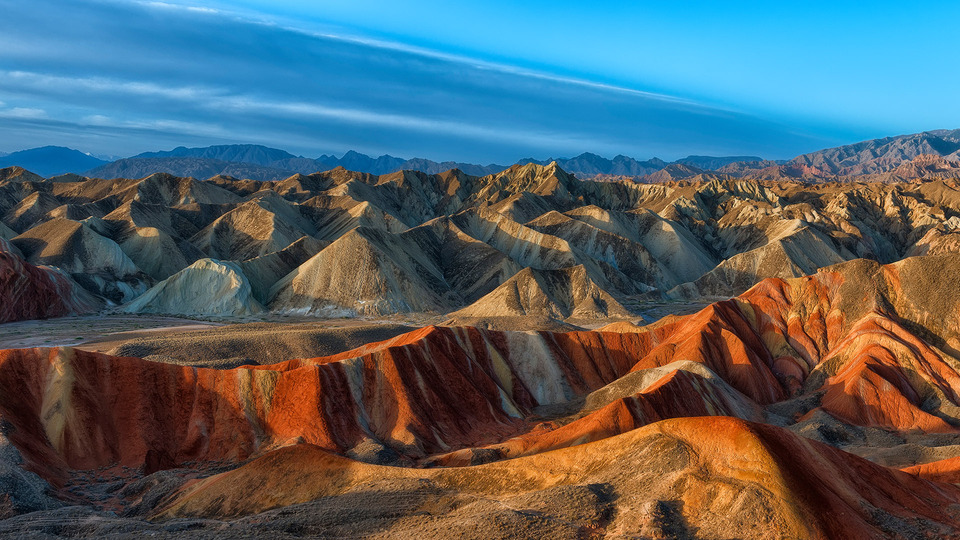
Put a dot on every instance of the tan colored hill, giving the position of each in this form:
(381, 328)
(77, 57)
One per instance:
(440, 242)
(262, 225)
(18, 174)
(266, 270)
(206, 287)
(94, 261)
(552, 294)
(795, 249)
(31, 211)
(387, 273)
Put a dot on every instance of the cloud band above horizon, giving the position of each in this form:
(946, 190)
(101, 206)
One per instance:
(115, 78)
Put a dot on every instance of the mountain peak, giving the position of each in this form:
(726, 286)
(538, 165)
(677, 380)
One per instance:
(51, 160)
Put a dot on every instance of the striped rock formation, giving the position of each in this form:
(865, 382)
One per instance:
(858, 354)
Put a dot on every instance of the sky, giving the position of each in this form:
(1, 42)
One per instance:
(484, 82)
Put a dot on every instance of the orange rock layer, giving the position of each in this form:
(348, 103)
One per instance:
(846, 337)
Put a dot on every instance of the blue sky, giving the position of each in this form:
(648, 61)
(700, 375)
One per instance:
(489, 81)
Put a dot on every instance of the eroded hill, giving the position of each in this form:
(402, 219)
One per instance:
(534, 238)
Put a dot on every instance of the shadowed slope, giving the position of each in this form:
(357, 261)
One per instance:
(557, 294)
(96, 262)
(37, 292)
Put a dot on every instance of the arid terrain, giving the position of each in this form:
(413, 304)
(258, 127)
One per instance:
(525, 354)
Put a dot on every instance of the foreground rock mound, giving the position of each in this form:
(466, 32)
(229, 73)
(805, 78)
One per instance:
(745, 479)
(742, 419)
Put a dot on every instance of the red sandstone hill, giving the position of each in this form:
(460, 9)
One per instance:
(860, 355)
(37, 292)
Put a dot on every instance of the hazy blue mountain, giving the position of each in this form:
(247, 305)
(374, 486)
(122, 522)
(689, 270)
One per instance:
(712, 163)
(355, 161)
(51, 160)
(587, 164)
(276, 164)
(883, 155)
(243, 153)
(263, 163)
(196, 167)
(251, 154)
(433, 167)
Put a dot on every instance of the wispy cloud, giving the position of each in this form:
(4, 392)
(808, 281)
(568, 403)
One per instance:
(23, 112)
(396, 46)
(215, 99)
(168, 5)
(226, 77)
(48, 82)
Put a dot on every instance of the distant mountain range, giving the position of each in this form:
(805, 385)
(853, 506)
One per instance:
(51, 160)
(588, 164)
(262, 163)
(929, 153)
(272, 164)
(883, 155)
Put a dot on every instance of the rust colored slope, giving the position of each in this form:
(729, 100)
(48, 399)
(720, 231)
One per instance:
(36, 292)
(434, 390)
(944, 470)
(79, 410)
(853, 332)
(720, 337)
(886, 375)
(726, 475)
(677, 394)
